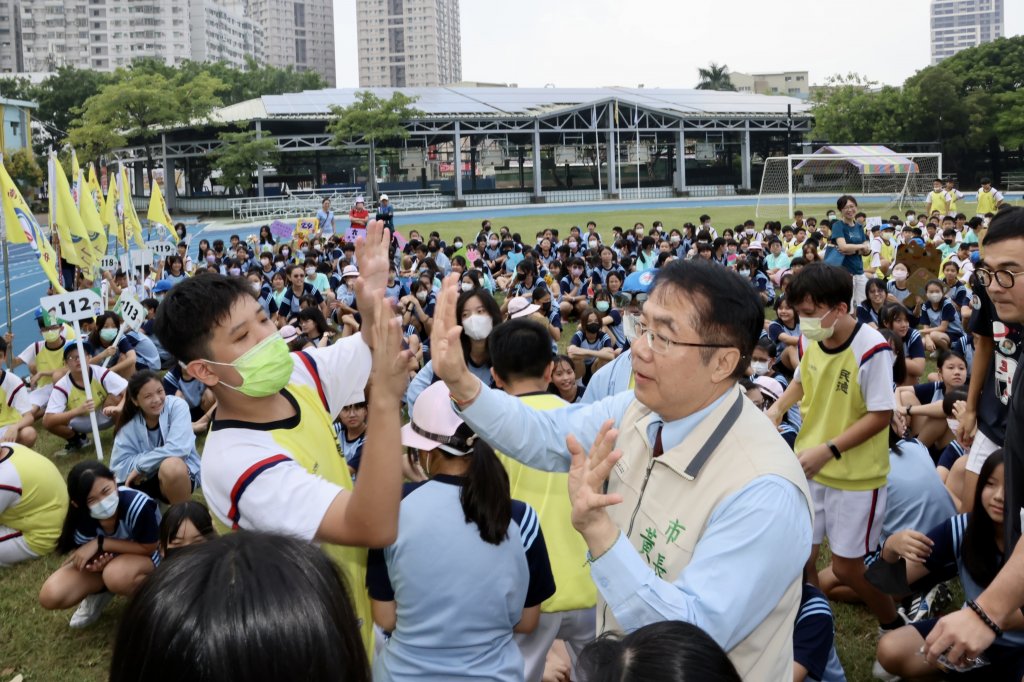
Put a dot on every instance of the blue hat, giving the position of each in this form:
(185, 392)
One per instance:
(639, 282)
(39, 313)
(162, 286)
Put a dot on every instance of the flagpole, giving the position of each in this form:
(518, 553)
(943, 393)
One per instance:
(7, 276)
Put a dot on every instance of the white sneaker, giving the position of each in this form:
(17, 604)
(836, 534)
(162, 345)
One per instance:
(880, 673)
(89, 611)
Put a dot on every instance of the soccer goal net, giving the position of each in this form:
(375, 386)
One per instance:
(888, 182)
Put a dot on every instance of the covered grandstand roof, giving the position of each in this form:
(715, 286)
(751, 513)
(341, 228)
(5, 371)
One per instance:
(455, 102)
(867, 159)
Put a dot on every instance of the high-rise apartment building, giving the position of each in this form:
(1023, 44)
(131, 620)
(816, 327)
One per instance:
(299, 34)
(959, 24)
(41, 35)
(408, 43)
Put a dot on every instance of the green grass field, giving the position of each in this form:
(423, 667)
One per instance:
(40, 646)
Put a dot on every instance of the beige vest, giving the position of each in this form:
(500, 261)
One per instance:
(675, 496)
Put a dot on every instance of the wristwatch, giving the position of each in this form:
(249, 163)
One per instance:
(99, 544)
(908, 409)
(834, 449)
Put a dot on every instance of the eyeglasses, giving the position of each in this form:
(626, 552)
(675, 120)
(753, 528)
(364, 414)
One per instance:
(623, 299)
(1003, 278)
(660, 344)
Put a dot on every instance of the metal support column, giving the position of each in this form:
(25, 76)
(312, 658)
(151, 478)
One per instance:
(680, 184)
(745, 159)
(613, 172)
(168, 177)
(538, 195)
(259, 170)
(457, 164)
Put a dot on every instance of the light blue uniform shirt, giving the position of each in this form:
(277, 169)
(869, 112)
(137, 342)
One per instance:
(737, 574)
(611, 379)
(916, 498)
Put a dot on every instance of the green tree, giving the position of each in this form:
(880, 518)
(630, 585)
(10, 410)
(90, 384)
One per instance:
(137, 105)
(715, 77)
(372, 120)
(60, 95)
(240, 157)
(255, 80)
(25, 171)
(17, 88)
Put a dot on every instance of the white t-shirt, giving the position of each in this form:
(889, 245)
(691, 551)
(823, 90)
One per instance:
(252, 480)
(112, 382)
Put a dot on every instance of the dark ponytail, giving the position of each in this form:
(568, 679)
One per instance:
(486, 500)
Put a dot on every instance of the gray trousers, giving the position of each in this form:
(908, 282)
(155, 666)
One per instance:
(576, 628)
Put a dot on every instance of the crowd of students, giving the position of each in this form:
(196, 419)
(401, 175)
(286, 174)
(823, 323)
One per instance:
(533, 499)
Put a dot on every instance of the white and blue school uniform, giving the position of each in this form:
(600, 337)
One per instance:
(352, 450)
(599, 275)
(138, 520)
(579, 339)
(458, 598)
(900, 294)
(192, 390)
(775, 329)
(930, 392)
(521, 289)
(913, 345)
(395, 291)
(175, 279)
(764, 285)
(137, 448)
(948, 312)
(959, 295)
(814, 638)
(146, 354)
(867, 315)
(567, 287)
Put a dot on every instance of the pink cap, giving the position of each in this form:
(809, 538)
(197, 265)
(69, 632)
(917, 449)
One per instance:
(289, 333)
(770, 386)
(520, 306)
(434, 423)
(349, 271)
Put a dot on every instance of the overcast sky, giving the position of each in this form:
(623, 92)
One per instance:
(590, 43)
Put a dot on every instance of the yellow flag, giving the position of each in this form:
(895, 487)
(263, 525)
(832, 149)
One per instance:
(69, 221)
(91, 220)
(131, 218)
(109, 214)
(76, 179)
(94, 187)
(68, 250)
(23, 228)
(157, 212)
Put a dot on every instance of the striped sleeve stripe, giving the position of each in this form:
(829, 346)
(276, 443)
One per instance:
(10, 398)
(10, 536)
(243, 482)
(61, 390)
(311, 367)
(959, 525)
(816, 611)
(880, 348)
(529, 527)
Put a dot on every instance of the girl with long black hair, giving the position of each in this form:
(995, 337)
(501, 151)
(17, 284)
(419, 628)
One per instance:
(469, 567)
(971, 546)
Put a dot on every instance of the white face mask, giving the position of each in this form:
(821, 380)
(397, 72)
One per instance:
(478, 327)
(458, 245)
(310, 272)
(744, 273)
(421, 295)
(759, 368)
(899, 276)
(811, 328)
(935, 296)
(467, 286)
(592, 243)
(256, 287)
(629, 327)
(105, 508)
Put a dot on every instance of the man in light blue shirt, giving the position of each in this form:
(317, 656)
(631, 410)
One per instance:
(693, 454)
(325, 218)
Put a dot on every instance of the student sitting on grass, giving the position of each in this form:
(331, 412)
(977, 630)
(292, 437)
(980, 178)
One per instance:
(185, 524)
(112, 535)
(16, 414)
(968, 545)
(33, 501)
(155, 446)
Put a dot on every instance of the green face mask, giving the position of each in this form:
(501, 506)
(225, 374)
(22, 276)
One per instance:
(51, 335)
(265, 368)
